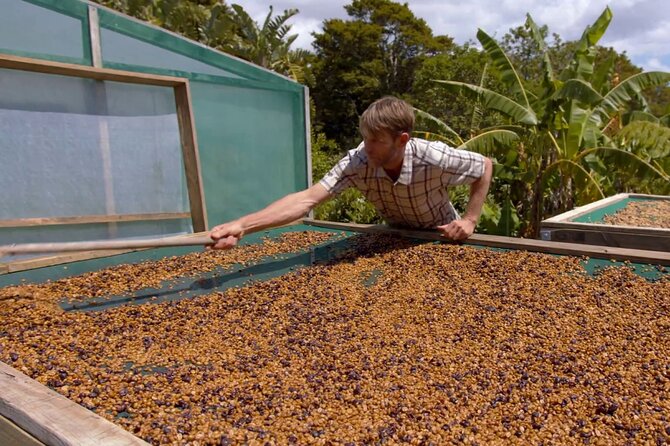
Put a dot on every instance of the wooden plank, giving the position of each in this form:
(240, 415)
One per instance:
(189, 145)
(52, 418)
(588, 208)
(496, 241)
(101, 74)
(612, 229)
(11, 434)
(52, 260)
(650, 197)
(46, 261)
(92, 219)
(32, 248)
(644, 241)
(94, 33)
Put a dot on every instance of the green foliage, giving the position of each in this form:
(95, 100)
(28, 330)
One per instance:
(267, 45)
(349, 206)
(497, 219)
(650, 143)
(562, 122)
(324, 156)
(464, 64)
(201, 20)
(373, 54)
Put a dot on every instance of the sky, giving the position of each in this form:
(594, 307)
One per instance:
(641, 28)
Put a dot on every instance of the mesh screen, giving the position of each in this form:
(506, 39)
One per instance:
(73, 147)
(23, 30)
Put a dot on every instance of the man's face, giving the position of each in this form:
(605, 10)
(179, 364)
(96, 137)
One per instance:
(382, 149)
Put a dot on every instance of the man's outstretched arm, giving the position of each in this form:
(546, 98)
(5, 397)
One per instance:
(465, 227)
(283, 211)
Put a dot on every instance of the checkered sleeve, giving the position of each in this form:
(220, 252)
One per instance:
(340, 177)
(459, 166)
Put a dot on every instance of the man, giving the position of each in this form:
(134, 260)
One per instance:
(405, 178)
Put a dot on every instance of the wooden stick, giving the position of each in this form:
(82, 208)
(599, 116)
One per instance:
(32, 248)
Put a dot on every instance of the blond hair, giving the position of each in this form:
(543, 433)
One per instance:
(387, 114)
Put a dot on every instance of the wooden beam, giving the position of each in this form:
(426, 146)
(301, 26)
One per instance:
(637, 240)
(11, 434)
(59, 259)
(52, 260)
(32, 248)
(643, 230)
(94, 34)
(496, 241)
(189, 145)
(102, 74)
(649, 196)
(52, 418)
(92, 219)
(587, 208)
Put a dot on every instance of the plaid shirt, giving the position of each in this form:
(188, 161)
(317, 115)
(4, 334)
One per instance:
(419, 198)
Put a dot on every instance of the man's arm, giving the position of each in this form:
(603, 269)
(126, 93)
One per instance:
(283, 211)
(465, 227)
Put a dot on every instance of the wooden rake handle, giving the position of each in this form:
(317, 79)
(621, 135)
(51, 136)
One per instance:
(33, 248)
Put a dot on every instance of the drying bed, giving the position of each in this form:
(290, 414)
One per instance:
(378, 340)
(632, 221)
(642, 213)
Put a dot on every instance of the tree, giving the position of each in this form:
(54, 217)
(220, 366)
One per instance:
(462, 114)
(375, 53)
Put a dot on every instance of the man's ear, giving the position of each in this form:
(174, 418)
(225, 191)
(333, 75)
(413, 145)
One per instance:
(404, 138)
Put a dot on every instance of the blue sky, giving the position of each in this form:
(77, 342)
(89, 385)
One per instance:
(641, 28)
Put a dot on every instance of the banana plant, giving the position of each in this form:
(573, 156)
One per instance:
(264, 45)
(562, 127)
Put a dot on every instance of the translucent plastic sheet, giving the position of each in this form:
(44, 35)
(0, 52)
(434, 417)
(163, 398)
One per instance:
(23, 30)
(250, 122)
(122, 49)
(77, 147)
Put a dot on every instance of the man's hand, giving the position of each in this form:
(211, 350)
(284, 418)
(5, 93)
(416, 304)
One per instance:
(227, 235)
(458, 229)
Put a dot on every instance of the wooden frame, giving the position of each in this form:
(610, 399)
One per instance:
(92, 219)
(189, 145)
(496, 241)
(50, 417)
(12, 434)
(562, 228)
(53, 419)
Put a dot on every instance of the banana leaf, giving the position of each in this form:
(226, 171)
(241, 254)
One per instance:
(631, 88)
(549, 78)
(579, 90)
(637, 115)
(487, 143)
(586, 49)
(441, 124)
(639, 162)
(504, 65)
(495, 101)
